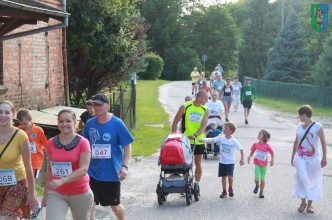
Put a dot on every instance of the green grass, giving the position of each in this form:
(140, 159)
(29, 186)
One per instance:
(149, 111)
(291, 106)
(40, 189)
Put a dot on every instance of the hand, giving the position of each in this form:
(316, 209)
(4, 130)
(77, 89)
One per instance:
(271, 163)
(323, 163)
(201, 140)
(241, 162)
(32, 199)
(44, 201)
(192, 137)
(123, 173)
(55, 184)
(292, 162)
(249, 160)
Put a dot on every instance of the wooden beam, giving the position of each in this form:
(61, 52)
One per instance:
(14, 23)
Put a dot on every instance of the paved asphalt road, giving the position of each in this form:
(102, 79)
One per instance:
(140, 199)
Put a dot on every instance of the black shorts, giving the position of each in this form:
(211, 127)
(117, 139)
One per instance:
(105, 193)
(199, 149)
(226, 169)
(247, 104)
(193, 84)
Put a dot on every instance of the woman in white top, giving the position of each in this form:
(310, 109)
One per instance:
(308, 160)
(236, 92)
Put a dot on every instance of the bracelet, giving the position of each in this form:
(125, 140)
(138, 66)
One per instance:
(125, 166)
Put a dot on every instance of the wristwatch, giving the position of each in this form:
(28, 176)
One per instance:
(125, 166)
(195, 135)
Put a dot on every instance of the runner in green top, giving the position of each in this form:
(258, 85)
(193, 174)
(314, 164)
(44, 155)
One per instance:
(248, 94)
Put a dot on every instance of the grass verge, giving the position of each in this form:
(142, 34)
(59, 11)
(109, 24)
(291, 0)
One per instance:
(152, 122)
(291, 106)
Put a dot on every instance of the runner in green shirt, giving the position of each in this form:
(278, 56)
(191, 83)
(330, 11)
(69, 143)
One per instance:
(248, 94)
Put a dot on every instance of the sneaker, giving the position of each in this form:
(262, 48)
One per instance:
(231, 193)
(223, 195)
(227, 119)
(256, 189)
(246, 121)
(261, 195)
(35, 213)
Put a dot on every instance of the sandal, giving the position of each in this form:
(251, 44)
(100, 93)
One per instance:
(310, 209)
(302, 207)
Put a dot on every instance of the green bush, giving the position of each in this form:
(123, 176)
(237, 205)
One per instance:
(155, 65)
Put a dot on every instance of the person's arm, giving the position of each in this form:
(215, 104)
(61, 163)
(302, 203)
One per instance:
(26, 156)
(242, 157)
(321, 136)
(272, 159)
(126, 158)
(250, 155)
(294, 150)
(177, 118)
(206, 140)
(47, 180)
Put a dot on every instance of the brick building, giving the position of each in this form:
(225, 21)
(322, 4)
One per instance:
(31, 52)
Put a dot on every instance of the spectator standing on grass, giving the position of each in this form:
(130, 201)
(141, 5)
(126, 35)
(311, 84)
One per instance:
(67, 181)
(110, 142)
(17, 186)
(194, 75)
(85, 116)
(308, 159)
(248, 95)
(194, 116)
(260, 152)
(38, 141)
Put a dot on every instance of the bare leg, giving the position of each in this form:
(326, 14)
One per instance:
(230, 182)
(223, 182)
(262, 185)
(226, 109)
(198, 167)
(119, 211)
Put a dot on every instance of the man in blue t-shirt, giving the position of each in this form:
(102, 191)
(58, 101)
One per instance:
(110, 143)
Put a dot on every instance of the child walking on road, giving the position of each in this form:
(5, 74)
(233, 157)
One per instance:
(260, 152)
(227, 157)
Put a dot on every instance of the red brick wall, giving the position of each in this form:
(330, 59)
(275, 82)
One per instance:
(30, 62)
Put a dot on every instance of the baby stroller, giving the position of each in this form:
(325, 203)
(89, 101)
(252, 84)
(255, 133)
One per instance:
(213, 129)
(176, 174)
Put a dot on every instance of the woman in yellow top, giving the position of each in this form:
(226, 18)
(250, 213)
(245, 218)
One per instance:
(17, 188)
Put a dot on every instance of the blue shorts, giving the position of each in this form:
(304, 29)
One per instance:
(227, 98)
(225, 169)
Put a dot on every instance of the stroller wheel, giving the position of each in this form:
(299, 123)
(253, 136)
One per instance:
(188, 195)
(160, 195)
(196, 192)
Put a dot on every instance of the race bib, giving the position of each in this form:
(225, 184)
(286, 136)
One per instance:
(260, 155)
(248, 93)
(33, 148)
(61, 169)
(227, 89)
(226, 149)
(195, 117)
(7, 177)
(101, 151)
(219, 87)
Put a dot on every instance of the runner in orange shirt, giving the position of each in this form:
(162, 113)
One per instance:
(38, 141)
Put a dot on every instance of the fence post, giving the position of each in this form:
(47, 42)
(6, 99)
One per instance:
(133, 99)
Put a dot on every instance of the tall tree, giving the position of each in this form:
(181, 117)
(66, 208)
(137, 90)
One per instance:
(288, 61)
(256, 39)
(164, 19)
(103, 42)
(323, 71)
(215, 33)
